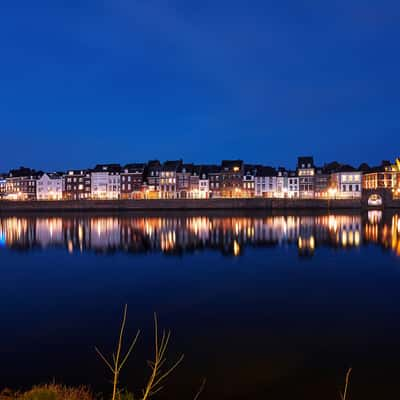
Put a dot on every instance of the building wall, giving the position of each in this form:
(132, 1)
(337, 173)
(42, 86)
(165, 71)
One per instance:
(265, 186)
(77, 185)
(132, 185)
(49, 188)
(168, 185)
(204, 188)
(347, 184)
(105, 185)
(21, 188)
(293, 187)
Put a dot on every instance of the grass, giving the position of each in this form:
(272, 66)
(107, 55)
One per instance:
(49, 392)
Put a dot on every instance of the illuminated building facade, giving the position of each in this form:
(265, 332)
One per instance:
(204, 183)
(153, 173)
(183, 181)
(347, 184)
(106, 182)
(49, 187)
(21, 184)
(293, 185)
(231, 178)
(168, 179)
(3, 184)
(214, 176)
(322, 183)
(77, 185)
(306, 174)
(250, 172)
(387, 177)
(265, 182)
(132, 179)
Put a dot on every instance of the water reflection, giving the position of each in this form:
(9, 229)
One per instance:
(178, 235)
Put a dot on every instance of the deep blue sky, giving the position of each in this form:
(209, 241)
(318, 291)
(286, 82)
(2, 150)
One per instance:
(127, 80)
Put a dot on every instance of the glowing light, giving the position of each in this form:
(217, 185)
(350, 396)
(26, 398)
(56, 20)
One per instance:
(236, 248)
(2, 239)
(312, 243)
(344, 238)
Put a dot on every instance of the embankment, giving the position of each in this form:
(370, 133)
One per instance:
(179, 204)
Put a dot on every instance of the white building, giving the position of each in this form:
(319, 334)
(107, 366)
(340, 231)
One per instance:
(281, 183)
(49, 187)
(346, 184)
(265, 182)
(204, 184)
(106, 182)
(293, 185)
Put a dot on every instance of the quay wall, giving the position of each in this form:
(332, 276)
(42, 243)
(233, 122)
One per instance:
(180, 204)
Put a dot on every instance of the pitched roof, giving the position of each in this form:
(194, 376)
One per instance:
(266, 171)
(305, 160)
(107, 168)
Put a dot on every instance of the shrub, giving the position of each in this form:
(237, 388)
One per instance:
(56, 392)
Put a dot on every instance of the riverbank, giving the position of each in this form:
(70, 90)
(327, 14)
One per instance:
(180, 204)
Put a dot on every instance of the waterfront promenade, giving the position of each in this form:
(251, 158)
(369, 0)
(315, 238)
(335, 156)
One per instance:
(180, 204)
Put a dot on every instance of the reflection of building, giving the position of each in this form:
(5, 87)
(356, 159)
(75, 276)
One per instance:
(177, 235)
(49, 231)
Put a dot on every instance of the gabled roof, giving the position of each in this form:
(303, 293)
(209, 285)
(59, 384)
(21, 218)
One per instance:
(231, 163)
(23, 172)
(188, 168)
(305, 160)
(266, 171)
(51, 175)
(135, 167)
(107, 168)
(346, 168)
(171, 165)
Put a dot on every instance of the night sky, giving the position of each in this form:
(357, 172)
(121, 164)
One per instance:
(93, 81)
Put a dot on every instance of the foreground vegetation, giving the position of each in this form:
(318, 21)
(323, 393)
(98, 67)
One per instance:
(155, 383)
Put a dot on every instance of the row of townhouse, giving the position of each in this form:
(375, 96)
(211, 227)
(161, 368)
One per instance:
(178, 180)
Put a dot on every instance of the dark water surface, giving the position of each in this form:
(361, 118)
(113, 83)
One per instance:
(263, 306)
